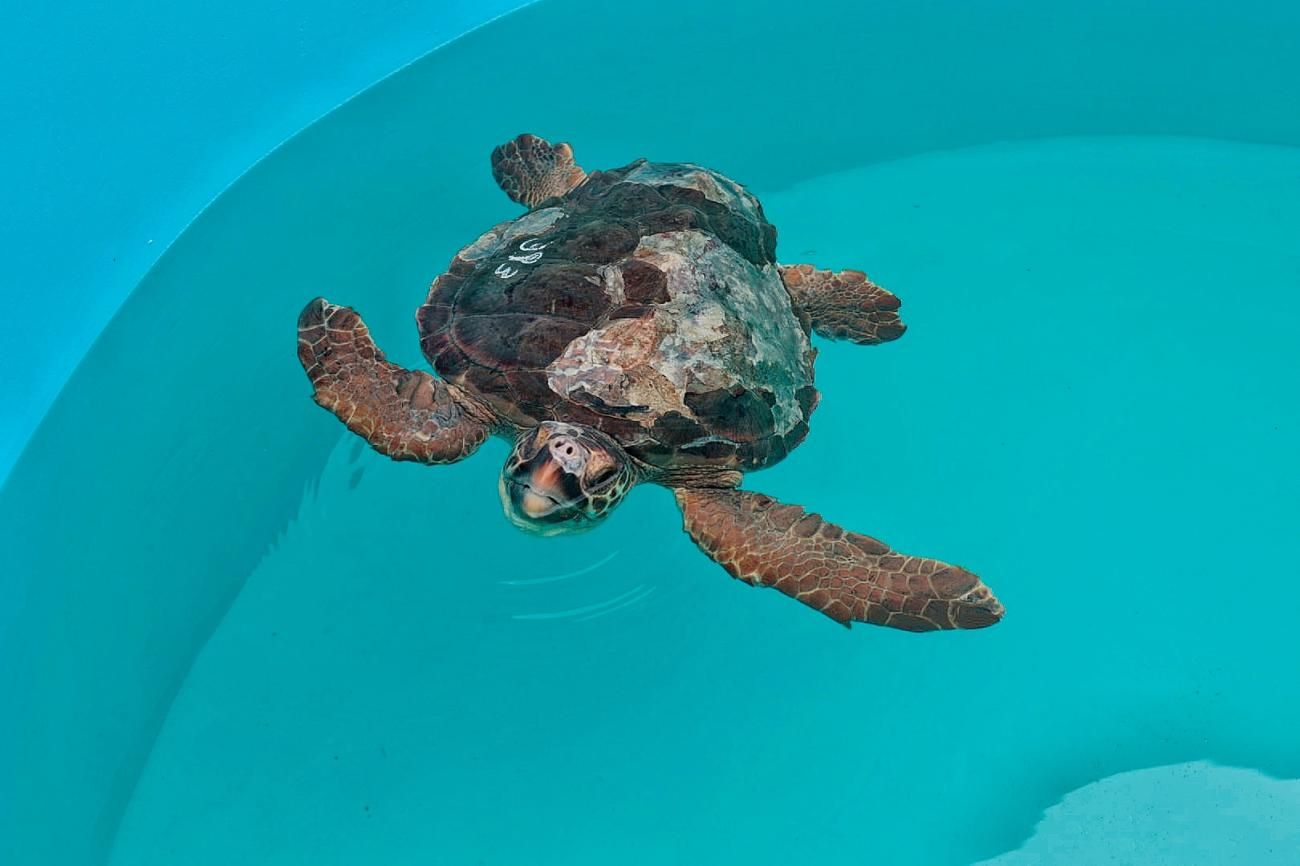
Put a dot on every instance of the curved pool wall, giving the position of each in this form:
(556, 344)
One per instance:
(105, 622)
(122, 121)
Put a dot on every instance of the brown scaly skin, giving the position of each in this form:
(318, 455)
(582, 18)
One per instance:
(847, 576)
(530, 169)
(844, 305)
(405, 414)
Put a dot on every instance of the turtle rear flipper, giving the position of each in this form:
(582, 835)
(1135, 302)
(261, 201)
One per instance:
(844, 305)
(531, 169)
(848, 577)
(405, 414)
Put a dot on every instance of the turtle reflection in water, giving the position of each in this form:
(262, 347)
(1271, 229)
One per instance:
(633, 327)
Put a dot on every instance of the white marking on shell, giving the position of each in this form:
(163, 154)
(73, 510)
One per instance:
(502, 235)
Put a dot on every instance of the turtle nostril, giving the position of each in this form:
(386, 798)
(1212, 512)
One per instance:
(566, 447)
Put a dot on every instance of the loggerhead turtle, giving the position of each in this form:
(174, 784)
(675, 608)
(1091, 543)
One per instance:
(634, 326)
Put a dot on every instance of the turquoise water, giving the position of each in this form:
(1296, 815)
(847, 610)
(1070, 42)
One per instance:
(1091, 407)
(282, 648)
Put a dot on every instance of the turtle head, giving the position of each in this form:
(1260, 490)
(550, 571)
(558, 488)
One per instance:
(564, 478)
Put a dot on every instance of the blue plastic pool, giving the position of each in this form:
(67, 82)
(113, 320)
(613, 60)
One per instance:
(239, 636)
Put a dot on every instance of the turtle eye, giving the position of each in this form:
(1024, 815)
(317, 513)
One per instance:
(604, 476)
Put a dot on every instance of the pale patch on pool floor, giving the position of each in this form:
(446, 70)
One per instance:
(1193, 814)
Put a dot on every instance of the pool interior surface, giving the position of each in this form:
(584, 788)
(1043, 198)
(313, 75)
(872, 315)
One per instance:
(1093, 408)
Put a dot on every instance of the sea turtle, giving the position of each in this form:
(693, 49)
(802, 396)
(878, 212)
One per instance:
(634, 326)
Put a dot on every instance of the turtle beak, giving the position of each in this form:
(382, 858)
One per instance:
(546, 490)
(530, 503)
(540, 493)
(563, 478)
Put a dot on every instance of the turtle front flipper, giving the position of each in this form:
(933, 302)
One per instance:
(844, 305)
(531, 169)
(406, 414)
(848, 577)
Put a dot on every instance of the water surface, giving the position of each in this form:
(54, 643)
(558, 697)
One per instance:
(1093, 408)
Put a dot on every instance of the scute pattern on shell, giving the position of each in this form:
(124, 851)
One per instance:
(647, 304)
